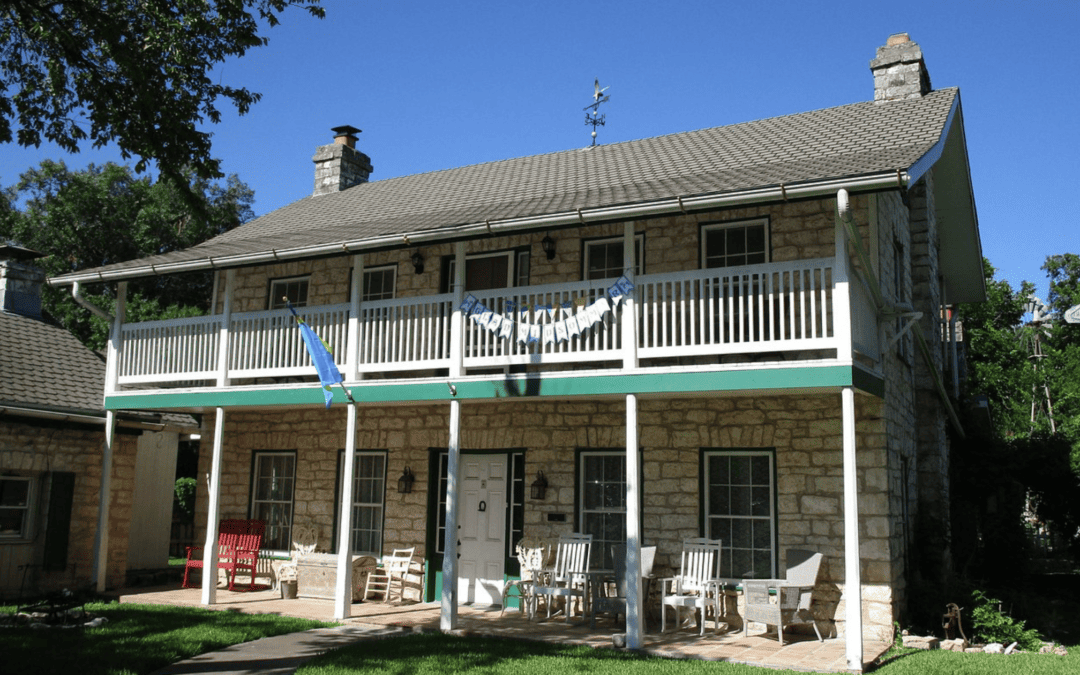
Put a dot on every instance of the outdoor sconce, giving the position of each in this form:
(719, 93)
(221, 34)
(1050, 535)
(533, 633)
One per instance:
(418, 262)
(548, 244)
(404, 484)
(539, 486)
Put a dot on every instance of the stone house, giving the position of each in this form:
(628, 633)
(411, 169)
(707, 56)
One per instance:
(53, 426)
(735, 331)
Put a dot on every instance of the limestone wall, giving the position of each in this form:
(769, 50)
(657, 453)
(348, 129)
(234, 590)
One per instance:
(804, 430)
(33, 449)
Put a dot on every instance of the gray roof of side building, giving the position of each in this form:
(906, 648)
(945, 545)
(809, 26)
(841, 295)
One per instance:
(846, 142)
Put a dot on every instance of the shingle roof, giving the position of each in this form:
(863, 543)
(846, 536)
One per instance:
(848, 141)
(45, 367)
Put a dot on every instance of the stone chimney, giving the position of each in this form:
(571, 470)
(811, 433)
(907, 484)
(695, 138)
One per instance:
(20, 282)
(340, 165)
(899, 71)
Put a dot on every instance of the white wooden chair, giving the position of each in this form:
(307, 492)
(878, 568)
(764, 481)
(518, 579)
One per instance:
(531, 557)
(393, 568)
(784, 602)
(696, 585)
(567, 579)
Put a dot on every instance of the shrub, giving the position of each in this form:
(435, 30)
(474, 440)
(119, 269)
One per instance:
(991, 625)
(185, 496)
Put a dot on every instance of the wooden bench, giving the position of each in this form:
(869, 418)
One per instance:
(239, 542)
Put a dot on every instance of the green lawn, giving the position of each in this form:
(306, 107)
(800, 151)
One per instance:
(436, 654)
(135, 640)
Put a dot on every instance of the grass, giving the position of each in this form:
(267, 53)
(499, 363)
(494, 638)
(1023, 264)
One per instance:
(435, 654)
(136, 640)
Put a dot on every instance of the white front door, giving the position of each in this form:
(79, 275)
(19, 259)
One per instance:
(483, 529)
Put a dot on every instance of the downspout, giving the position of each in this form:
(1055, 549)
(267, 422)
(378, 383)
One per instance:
(76, 292)
(844, 209)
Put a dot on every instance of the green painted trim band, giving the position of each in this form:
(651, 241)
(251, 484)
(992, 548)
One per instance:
(615, 384)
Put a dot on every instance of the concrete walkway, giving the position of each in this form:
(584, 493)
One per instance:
(279, 655)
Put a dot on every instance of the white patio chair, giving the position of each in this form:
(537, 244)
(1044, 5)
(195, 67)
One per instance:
(567, 579)
(305, 539)
(696, 585)
(393, 568)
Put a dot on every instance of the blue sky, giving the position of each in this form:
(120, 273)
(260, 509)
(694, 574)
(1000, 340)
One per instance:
(434, 85)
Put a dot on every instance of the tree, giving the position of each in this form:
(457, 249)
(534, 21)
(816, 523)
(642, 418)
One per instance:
(137, 74)
(106, 214)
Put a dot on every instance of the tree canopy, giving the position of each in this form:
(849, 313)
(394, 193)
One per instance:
(137, 74)
(105, 214)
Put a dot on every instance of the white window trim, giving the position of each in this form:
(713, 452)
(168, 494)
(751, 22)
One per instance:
(770, 518)
(583, 480)
(712, 227)
(639, 247)
(28, 511)
(380, 269)
(381, 505)
(275, 295)
(292, 495)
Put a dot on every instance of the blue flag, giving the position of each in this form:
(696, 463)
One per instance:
(321, 357)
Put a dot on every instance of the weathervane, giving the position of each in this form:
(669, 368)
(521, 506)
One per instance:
(594, 117)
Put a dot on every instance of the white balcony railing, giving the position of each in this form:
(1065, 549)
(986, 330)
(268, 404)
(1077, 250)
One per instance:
(762, 308)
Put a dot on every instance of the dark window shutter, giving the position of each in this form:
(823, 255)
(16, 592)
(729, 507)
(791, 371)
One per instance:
(58, 520)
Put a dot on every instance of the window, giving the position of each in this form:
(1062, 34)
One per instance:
(738, 492)
(15, 498)
(602, 502)
(734, 244)
(487, 271)
(273, 483)
(379, 283)
(604, 257)
(369, 495)
(294, 288)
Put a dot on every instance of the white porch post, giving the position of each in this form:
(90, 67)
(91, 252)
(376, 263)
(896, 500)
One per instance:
(352, 359)
(343, 590)
(112, 371)
(210, 548)
(842, 287)
(449, 617)
(635, 616)
(852, 571)
(223, 332)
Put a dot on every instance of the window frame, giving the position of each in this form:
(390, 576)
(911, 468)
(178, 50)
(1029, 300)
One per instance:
(273, 296)
(28, 510)
(365, 294)
(254, 502)
(705, 509)
(746, 224)
(517, 267)
(579, 500)
(639, 246)
(381, 505)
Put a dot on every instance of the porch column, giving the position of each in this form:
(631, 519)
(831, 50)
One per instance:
(635, 616)
(101, 540)
(841, 287)
(852, 571)
(343, 590)
(223, 332)
(449, 617)
(210, 547)
(352, 358)
(112, 370)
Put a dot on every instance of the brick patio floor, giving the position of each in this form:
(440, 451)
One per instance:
(802, 652)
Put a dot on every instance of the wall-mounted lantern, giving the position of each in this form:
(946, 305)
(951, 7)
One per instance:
(404, 484)
(548, 244)
(418, 262)
(539, 486)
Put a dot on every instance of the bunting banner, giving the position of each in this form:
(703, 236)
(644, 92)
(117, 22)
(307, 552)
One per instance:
(576, 316)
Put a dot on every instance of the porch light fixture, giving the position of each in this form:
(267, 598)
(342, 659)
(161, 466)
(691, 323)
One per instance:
(418, 262)
(539, 486)
(404, 484)
(548, 244)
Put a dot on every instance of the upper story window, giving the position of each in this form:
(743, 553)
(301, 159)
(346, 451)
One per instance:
(293, 288)
(15, 499)
(488, 271)
(379, 283)
(734, 244)
(603, 258)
